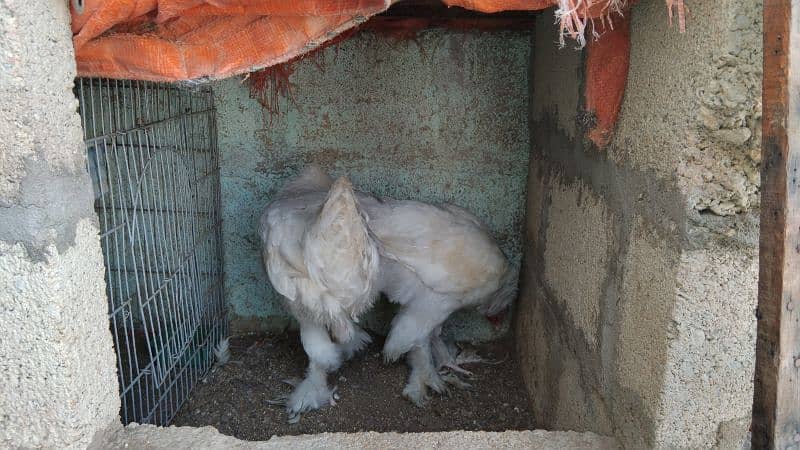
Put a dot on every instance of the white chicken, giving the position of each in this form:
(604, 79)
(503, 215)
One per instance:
(435, 260)
(321, 258)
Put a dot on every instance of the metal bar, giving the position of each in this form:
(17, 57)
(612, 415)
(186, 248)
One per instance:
(131, 173)
(113, 134)
(173, 275)
(137, 241)
(198, 348)
(159, 272)
(124, 133)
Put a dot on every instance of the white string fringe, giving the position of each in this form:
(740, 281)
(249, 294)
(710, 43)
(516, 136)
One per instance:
(572, 18)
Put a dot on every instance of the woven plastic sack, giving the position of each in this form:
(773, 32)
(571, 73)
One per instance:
(172, 40)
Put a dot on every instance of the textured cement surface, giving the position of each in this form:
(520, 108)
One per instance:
(693, 103)
(708, 377)
(663, 358)
(177, 438)
(584, 241)
(40, 129)
(58, 386)
(439, 118)
(636, 313)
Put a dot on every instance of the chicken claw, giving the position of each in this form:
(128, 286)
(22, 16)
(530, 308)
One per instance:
(465, 356)
(468, 356)
(306, 396)
(445, 359)
(293, 382)
(279, 401)
(417, 388)
(417, 391)
(455, 381)
(417, 394)
(455, 368)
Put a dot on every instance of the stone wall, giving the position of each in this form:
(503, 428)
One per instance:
(639, 286)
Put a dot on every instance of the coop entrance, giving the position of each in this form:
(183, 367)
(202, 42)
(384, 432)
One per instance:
(437, 115)
(154, 165)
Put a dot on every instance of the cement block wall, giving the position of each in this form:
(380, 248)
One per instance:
(439, 118)
(58, 384)
(639, 288)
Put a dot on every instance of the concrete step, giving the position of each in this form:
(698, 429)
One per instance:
(178, 438)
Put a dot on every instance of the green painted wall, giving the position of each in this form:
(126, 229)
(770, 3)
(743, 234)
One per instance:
(442, 118)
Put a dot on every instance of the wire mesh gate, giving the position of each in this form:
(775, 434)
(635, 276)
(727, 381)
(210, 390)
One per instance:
(154, 164)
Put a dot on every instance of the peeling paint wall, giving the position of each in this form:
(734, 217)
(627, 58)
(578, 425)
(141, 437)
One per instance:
(58, 384)
(636, 316)
(439, 118)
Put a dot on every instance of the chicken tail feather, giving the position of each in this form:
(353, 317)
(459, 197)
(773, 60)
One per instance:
(339, 251)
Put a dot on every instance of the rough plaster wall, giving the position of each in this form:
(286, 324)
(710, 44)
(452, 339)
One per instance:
(58, 386)
(439, 118)
(708, 377)
(579, 230)
(23, 55)
(558, 104)
(662, 355)
(600, 367)
(557, 363)
(645, 304)
(703, 114)
(57, 370)
(712, 132)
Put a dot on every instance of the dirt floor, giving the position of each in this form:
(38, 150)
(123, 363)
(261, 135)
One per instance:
(234, 398)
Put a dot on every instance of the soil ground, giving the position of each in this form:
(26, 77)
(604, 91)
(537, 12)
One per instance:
(234, 398)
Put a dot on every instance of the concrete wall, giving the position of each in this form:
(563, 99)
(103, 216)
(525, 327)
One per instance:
(639, 287)
(439, 118)
(58, 385)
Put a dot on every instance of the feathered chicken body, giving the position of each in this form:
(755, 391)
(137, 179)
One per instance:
(445, 247)
(433, 260)
(320, 257)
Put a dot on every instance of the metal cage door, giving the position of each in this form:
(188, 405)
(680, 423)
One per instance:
(154, 165)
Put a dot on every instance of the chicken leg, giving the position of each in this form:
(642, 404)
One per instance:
(411, 334)
(423, 375)
(324, 356)
(450, 357)
(359, 341)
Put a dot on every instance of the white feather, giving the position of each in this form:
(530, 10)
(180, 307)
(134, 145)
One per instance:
(329, 261)
(320, 256)
(222, 353)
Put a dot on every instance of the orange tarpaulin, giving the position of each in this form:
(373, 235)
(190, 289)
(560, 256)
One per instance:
(606, 73)
(170, 40)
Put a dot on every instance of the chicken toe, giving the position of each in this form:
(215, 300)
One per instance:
(307, 396)
(417, 393)
(451, 358)
(453, 380)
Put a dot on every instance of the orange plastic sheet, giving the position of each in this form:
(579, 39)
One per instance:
(606, 74)
(171, 40)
